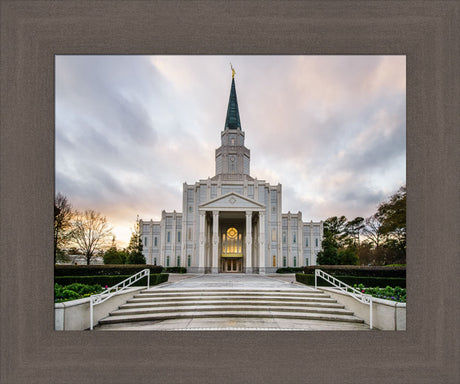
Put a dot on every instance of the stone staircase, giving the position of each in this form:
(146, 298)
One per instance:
(167, 304)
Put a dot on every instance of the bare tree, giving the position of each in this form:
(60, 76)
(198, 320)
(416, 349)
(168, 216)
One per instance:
(373, 231)
(91, 233)
(62, 223)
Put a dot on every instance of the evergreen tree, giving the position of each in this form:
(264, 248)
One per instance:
(135, 247)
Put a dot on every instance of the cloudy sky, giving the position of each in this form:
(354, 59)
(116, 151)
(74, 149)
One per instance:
(131, 129)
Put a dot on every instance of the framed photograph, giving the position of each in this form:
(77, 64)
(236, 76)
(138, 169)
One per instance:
(35, 34)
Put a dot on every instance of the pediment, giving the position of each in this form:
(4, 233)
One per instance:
(232, 202)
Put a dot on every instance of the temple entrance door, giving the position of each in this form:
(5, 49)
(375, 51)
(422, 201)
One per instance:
(232, 265)
(232, 251)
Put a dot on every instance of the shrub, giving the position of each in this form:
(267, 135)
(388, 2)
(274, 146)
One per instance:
(309, 279)
(105, 270)
(289, 270)
(110, 280)
(175, 270)
(365, 271)
(387, 293)
(74, 291)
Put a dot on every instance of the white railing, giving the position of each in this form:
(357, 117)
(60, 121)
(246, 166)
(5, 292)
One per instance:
(350, 291)
(116, 289)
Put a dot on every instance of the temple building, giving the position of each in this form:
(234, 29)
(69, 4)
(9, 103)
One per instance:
(231, 222)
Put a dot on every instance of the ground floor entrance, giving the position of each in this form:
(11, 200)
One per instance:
(232, 265)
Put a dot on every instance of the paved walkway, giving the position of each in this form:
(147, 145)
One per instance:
(233, 281)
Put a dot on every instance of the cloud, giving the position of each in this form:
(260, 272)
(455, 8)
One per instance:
(131, 129)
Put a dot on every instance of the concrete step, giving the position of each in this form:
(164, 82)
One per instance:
(287, 303)
(236, 314)
(223, 293)
(229, 302)
(159, 299)
(231, 308)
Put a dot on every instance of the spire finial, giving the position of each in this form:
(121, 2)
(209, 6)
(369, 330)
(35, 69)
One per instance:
(233, 71)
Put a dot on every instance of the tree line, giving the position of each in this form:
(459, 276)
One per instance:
(377, 240)
(88, 233)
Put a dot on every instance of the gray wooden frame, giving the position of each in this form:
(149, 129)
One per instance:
(33, 32)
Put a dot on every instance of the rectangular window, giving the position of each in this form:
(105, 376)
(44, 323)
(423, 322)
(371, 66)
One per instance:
(284, 237)
(178, 237)
(145, 241)
(284, 261)
(178, 261)
(189, 260)
(273, 234)
(155, 261)
(190, 234)
(190, 209)
(294, 239)
(306, 262)
(167, 261)
(274, 260)
(156, 242)
(169, 237)
(306, 242)
(295, 261)
(316, 241)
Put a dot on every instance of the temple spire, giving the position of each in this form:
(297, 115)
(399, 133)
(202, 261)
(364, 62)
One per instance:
(233, 115)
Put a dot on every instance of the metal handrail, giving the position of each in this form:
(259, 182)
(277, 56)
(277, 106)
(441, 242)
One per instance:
(115, 290)
(350, 291)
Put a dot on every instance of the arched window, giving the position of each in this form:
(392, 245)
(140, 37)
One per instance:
(232, 242)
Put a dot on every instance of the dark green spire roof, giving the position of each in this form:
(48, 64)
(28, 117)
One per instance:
(233, 114)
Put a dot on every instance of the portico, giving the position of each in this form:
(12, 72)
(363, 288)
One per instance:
(232, 235)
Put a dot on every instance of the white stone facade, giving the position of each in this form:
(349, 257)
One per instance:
(231, 222)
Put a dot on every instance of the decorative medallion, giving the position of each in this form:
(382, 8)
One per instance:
(232, 200)
(232, 233)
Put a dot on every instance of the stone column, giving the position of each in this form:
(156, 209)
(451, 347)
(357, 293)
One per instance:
(248, 242)
(215, 242)
(201, 242)
(261, 243)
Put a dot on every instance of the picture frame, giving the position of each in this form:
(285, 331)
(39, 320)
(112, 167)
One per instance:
(34, 32)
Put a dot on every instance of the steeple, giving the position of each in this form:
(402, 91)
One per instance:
(232, 157)
(233, 115)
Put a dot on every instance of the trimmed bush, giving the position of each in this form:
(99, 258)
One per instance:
(104, 270)
(380, 282)
(289, 270)
(74, 291)
(362, 271)
(175, 270)
(110, 280)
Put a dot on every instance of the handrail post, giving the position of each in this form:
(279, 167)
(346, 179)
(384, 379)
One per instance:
(148, 279)
(91, 313)
(316, 279)
(370, 314)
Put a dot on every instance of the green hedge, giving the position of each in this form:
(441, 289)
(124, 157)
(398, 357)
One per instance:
(104, 270)
(175, 270)
(362, 271)
(110, 280)
(289, 270)
(381, 282)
